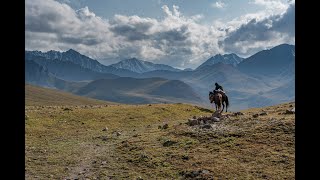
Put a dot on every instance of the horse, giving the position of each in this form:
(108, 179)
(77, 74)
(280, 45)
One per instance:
(219, 100)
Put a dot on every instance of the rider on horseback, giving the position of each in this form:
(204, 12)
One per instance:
(218, 89)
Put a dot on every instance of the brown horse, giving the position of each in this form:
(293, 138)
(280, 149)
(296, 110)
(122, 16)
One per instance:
(219, 100)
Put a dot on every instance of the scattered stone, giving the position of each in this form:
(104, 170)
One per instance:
(104, 138)
(118, 133)
(263, 114)
(237, 114)
(82, 123)
(192, 122)
(216, 114)
(166, 126)
(185, 157)
(159, 127)
(255, 115)
(205, 171)
(103, 162)
(169, 143)
(215, 119)
(139, 178)
(292, 111)
(206, 126)
(105, 129)
(67, 109)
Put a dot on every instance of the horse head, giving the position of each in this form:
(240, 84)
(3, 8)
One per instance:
(211, 96)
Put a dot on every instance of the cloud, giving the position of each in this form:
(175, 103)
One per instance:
(219, 5)
(259, 34)
(177, 40)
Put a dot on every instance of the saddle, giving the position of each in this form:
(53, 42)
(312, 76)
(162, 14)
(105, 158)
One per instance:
(219, 91)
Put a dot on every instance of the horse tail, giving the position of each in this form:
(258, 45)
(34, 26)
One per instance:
(227, 101)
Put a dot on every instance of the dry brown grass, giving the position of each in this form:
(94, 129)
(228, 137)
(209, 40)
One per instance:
(68, 142)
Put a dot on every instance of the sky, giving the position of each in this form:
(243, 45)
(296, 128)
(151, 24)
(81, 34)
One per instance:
(180, 33)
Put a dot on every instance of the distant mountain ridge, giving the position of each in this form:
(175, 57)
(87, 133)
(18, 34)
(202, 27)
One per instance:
(232, 59)
(78, 59)
(265, 78)
(140, 66)
(269, 62)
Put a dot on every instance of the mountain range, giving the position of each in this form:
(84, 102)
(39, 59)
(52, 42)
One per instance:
(140, 66)
(265, 78)
(232, 59)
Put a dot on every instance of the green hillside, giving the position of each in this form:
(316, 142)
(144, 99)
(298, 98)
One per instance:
(125, 142)
(35, 95)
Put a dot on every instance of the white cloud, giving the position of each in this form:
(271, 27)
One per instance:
(261, 33)
(219, 5)
(177, 40)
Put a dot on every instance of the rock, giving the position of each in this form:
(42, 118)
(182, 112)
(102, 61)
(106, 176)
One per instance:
(169, 143)
(193, 122)
(118, 133)
(255, 115)
(139, 178)
(205, 171)
(215, 119)
(206, 126)
(194, 117)
(103, 162)
(185, 157)
(166, 126)
(263, 114)
(104, 138)
(67, 109)
(105, 129)
(216, 114)
(237, 113)
(159, 127)
(292, 111)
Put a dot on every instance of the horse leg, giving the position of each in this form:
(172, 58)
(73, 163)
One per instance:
(222, 107)
(226, 108)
